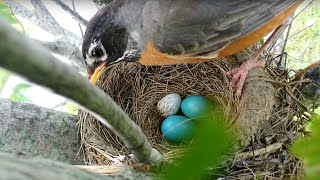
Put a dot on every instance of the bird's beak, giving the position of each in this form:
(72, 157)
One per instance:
(97, 73)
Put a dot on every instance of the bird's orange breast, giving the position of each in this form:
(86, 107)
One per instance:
(151, 56)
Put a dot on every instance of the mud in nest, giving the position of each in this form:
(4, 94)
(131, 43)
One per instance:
(137, 89)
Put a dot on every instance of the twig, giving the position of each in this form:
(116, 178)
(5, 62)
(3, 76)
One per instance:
(301, 30)
(24, 31)
(105, 170)
(72, 13)
(294, 34)
(74, 8)
(302, 10)
(247, 163)
(284, 45)
(21, 56)
(258, 152)
(301, 74)
(288, 32)
(308, 46)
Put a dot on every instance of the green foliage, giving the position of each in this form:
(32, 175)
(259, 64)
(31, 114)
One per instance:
(309, 149)
(5, 12)
(304, 47)
(213, 141)
(18, 93)
(70, 108)
(261, 42)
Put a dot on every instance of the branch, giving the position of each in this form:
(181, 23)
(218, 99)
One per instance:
(43, 12)
(15, 166)
(74, 9)
(72, 13)
(23, 167)
(66, 49)
(21, 56)
(49, 19)
(38, 131)
(43, 21)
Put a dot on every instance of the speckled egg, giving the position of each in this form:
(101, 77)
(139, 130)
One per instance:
(177, 128)
(169, 104)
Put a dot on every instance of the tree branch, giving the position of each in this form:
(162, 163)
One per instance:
(72, 13)
(74, 9)
(44, 21)
(17, 166)
(21, 56)
(23, 167)
(43, 12)
(66, 49)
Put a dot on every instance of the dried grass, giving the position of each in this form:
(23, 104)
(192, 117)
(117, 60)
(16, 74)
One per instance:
(137, 89)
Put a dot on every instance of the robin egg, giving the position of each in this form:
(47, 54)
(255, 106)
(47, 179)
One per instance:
(169, 104)
(177, 128)
(196, 106)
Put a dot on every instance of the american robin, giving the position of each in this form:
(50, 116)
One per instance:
(160, 32)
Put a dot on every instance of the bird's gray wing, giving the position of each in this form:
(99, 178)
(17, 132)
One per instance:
(200, 27)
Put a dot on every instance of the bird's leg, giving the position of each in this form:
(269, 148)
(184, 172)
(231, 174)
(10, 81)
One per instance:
(239, 74)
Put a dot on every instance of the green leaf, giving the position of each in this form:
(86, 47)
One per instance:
(213, 141)
(5, 13)
(261, 42)
(18, 93)
(71, 108)
(309, 149)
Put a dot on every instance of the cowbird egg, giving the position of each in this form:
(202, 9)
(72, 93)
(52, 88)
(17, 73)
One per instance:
(177, 128)
(196, 106)
(169, 104)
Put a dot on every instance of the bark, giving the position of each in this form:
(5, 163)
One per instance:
(26, 168)
(36, 131)
(44, 69)
(101, 3)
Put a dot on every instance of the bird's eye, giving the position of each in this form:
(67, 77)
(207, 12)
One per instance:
(97, 52)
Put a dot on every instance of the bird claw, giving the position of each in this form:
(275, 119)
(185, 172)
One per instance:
(136, 166)
(141, 167)
(239, 74)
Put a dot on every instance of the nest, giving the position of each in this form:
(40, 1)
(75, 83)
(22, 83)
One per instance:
(137, 89)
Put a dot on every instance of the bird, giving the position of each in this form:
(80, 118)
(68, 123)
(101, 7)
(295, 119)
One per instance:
(167, 32)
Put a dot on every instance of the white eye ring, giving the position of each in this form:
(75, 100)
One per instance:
(93, 59)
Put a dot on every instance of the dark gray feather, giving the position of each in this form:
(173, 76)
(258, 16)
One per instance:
(196, 27)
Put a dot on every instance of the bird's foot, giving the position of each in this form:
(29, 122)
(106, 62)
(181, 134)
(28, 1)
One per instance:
(239, 74)
(132, 162)
(141, 167)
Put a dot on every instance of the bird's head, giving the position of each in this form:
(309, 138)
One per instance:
(106, 42)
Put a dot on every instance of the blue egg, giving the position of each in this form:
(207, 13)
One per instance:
(177, 128)
(196, 106)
